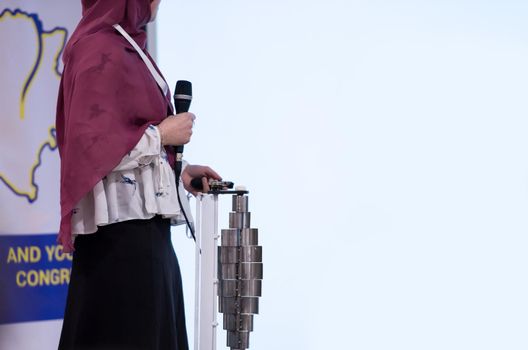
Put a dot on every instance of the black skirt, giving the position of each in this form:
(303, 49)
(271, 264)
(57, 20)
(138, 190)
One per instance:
(125, 290)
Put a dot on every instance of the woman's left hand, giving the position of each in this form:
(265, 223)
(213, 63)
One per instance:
(198, 171)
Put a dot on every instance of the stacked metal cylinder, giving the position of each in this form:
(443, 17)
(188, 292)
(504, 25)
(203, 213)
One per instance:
(239, 275)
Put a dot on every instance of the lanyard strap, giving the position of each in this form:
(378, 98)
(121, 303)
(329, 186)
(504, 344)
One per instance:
(161, 83)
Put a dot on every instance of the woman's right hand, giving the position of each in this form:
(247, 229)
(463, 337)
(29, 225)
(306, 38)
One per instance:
(176, 129)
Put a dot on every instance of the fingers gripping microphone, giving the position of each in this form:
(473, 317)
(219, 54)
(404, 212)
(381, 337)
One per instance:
(182, 102)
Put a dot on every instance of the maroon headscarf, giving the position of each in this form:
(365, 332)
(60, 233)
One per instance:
(107, 98)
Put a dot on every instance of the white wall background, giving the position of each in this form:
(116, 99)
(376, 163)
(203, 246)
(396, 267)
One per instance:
(384, 144)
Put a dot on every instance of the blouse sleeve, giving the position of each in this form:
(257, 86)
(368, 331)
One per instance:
(145, 152)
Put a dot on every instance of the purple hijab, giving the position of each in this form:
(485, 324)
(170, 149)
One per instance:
(107, 98)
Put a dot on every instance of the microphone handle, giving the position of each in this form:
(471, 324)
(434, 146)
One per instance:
(181, 107)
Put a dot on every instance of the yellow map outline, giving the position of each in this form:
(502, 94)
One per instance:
(51, 141)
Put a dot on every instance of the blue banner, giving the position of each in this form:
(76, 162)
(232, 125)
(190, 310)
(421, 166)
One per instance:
(34, 278)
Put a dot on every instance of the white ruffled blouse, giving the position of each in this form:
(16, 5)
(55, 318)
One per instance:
(140, 187)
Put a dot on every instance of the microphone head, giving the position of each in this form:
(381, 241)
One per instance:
(183, 87)
(182, 96)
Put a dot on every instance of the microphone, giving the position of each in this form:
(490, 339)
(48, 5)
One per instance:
(182, 102)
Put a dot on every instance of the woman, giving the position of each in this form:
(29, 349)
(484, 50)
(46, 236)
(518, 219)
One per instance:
(118, 192)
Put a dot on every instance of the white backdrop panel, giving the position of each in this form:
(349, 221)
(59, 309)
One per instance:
(32, 36)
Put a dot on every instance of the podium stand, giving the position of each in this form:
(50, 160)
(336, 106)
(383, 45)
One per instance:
(232, 272)
(205, 310)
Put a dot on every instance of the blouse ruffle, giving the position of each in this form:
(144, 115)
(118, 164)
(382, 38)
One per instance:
(140, 187)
